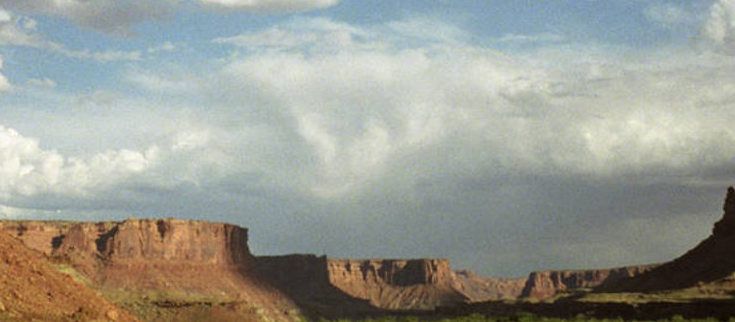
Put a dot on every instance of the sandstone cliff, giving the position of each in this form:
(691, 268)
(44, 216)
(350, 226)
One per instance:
(545, 284)
(193, 259)
(396, 284)
(361, 285)
(711, 261)
(197, 258)
(481, 289)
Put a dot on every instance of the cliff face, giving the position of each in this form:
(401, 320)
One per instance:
(195, 258)
(133, 246)
(362, 285)
(544, 284)
(396, 284)
(134, 239)
(213, 259)
(710, 262)
(31, 289)
(481, 289)
(394, 272)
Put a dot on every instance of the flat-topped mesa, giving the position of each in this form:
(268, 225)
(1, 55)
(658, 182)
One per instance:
(166, 256)
(173, 239)
(137, 239)
(397, 272)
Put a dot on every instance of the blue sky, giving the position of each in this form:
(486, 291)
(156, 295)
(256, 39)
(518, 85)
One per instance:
(507, 136)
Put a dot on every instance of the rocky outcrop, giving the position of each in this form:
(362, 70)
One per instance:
(480, 289)
(396, 284)
(213, 260)
(396, 272)
(711, 261)
(184, 257)
(545, 284)
(138, 240)
(362, 285)
(31, 289)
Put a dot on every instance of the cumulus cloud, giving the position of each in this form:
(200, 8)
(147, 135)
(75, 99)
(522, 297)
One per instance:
(329, 124)
(378, 109)
(27, 169)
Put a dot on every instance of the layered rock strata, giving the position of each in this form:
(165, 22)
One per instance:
(545, 284)
(191, 259)
(213, 259)
(481, 289)
(396, 284)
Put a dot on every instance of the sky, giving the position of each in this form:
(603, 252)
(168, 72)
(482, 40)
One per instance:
(506, 136)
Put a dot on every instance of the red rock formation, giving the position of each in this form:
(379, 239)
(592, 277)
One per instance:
(32, 290)
(396, 284)
(362, 285)
(212, 259)
(481, 289)
(544, 284)
(173, 256)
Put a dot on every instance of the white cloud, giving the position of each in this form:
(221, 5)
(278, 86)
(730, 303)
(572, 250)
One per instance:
(382, 110)
(104, 56)
(27, 170)
(18, 30)
(377, 125)
(271, 5)
(313, 35)
(165, 47)
(720, 26)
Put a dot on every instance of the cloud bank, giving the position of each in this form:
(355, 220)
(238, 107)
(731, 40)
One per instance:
(365, 134)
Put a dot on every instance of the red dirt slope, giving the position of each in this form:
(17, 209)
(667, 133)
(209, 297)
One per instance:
(31, 289)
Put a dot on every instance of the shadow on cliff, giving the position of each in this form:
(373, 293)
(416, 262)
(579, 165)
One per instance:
(709, 264)
(305, 279)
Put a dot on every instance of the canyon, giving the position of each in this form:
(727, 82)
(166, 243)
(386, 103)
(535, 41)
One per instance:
(188, 270)
(187, 261)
